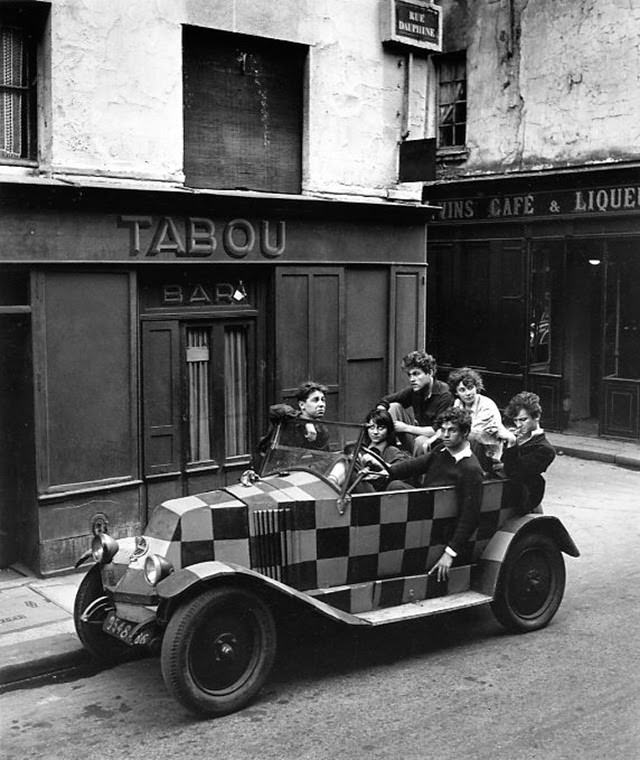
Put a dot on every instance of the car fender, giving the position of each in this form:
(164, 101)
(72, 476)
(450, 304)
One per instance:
(488, 570)
(183, 583)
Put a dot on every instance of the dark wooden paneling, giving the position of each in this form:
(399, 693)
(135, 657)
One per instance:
(621, 406)
(407, 318)
(549, 388)
(292, 307)
(325, 339)
(367, 310)
(18, 529)
(84, 371)
(365, 386)
(161, 396)
(311, 299)
(243, 111)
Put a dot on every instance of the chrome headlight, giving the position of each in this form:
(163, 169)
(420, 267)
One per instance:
(104, 548)
(156, 568)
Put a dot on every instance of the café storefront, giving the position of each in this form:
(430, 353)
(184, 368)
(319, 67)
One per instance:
(535, 281)
(145, 333)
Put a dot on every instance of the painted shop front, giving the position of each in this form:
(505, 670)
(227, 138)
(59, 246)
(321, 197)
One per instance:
(145, 333)
(534, 280)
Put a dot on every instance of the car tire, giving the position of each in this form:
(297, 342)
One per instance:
(531, 584)
(218, 650)
(104, 648)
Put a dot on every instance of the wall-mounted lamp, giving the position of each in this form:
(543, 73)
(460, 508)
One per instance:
(594, 262)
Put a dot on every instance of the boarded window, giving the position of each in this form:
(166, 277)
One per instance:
(242, 112)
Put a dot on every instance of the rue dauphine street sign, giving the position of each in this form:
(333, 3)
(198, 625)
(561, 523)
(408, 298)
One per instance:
(414, 25)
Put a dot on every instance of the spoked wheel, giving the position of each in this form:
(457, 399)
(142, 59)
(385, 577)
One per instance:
(89, 612)
(531, 584)
(218, 650)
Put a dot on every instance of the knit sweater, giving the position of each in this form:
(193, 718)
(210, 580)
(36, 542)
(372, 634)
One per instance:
(440, 468)
(425, 410)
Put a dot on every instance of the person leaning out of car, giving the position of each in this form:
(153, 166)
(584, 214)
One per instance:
(524, 461)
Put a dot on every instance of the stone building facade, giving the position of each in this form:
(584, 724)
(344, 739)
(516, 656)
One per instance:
(534, 260)
(200, 208)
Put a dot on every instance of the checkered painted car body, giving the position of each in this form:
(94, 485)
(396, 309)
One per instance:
(288, 532)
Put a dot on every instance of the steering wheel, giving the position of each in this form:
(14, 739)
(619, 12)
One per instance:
(374, 455)
(360, 466)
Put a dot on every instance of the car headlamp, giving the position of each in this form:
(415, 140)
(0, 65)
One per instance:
(104, 548)
(156, 568)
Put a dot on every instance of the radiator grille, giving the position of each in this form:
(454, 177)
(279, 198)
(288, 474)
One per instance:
(270, 546)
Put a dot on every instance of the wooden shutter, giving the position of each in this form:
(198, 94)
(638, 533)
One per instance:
(310, 332)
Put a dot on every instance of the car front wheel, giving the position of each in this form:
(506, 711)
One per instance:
(531, 584)
(217, 650)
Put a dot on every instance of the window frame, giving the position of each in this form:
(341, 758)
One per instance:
(217, 326)
(451, 61)
(28, 18)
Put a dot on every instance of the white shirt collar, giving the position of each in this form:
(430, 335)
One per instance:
(462, 454)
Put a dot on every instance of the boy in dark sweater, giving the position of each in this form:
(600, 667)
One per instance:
(451, 462)
(524, 461)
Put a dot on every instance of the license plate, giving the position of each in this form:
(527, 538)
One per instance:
(131, 633)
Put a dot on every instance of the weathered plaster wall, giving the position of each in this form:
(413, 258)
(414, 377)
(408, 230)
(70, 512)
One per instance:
(554, 86)
(116, 91)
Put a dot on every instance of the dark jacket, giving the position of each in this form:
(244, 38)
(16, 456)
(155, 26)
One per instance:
(439, 468)
(524, 465)
(425, 410)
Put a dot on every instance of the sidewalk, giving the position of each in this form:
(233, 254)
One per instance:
(37, 634)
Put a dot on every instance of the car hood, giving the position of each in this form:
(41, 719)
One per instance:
(219, 524)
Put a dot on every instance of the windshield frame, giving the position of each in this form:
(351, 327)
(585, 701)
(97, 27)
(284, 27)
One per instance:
(359, 430)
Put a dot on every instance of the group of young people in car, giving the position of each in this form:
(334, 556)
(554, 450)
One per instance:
(433, 433)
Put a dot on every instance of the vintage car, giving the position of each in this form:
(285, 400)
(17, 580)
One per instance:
(205, 583)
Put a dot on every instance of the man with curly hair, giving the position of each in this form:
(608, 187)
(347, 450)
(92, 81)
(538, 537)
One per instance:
(530, 455)
(414, 409)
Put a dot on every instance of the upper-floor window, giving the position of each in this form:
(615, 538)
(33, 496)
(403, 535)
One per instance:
(243, 103)
(19, 26)
(452, 100)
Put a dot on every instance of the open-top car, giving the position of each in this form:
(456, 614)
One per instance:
(205, 582)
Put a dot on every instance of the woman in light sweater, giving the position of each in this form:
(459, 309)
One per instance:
(486, 421)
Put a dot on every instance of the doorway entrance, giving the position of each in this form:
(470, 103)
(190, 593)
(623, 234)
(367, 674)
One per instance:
(583, 334)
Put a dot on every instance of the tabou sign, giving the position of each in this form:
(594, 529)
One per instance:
(415, 24)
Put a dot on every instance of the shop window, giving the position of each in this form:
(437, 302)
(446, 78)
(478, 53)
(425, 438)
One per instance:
(19, 30)
(540, 323)
(452, 101)
(243, 100)
(199, 406)
(236, 391)
(622, 328)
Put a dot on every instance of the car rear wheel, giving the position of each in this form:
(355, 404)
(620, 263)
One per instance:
(217, 650)
(531, 584)
(92, 603)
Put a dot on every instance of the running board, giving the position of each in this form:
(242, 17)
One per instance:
(423, 608)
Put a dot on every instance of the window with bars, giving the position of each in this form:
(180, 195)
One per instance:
(17, 88)
(452, 101)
